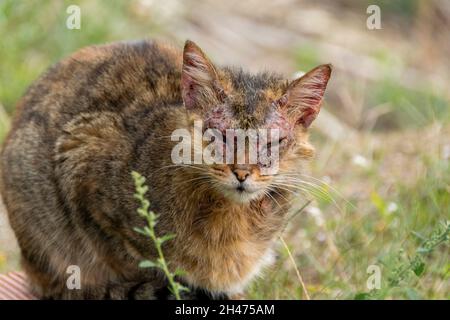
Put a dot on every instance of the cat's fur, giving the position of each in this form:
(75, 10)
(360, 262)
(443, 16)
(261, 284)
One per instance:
(104, 111)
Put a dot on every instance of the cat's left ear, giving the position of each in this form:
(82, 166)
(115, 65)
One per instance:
(304, 95)
(199, 81)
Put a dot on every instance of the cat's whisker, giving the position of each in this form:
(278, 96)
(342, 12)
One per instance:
(181, 166)
(332, 188)
(281, 186)
(280, 194)
(297, 174)
(319, 188)
(273, 198)
(296, 187)
(319, 192)
(196, 180)
(287, 202)
(303, 181)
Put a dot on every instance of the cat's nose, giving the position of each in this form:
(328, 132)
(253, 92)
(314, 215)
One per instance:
(241, 174)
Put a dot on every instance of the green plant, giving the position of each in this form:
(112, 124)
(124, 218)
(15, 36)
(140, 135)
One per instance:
(417, 263)
(149, 231)
(403, 272)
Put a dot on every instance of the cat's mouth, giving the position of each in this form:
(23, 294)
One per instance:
(239, 191)
(242, 193)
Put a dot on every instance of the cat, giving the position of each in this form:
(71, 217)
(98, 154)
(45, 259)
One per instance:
(105, 111)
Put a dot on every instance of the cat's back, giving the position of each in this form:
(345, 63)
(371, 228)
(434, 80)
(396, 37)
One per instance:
(106, 78)
(124, 78)
(115, 81)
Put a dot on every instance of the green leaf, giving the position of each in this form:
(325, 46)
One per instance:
(179, 272)
(419, 268)
(423, 250)
(147, 230)
(142, 212)
(183, 288)
(148, 264)
(141, 231)
(362, 296)
(166, 237)
(152, 223)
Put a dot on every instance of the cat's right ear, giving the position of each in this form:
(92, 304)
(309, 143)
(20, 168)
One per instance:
(199, 80)
(304, 96)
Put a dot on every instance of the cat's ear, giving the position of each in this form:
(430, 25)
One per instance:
(304, 95)
(199, 80)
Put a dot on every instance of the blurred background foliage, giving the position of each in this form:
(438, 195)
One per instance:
(381, 183)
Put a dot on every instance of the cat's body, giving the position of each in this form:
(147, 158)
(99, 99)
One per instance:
(79, 132)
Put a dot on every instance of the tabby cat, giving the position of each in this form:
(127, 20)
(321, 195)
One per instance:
(105, 111)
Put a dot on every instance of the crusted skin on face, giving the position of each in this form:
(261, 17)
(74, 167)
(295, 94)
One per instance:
(249, 96)
(219, 117)
(105, 111)
(278, 120)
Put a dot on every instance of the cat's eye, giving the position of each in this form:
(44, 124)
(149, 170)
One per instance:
(281, 142)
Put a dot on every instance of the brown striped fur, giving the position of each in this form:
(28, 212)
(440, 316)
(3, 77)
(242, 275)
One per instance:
(106, 110)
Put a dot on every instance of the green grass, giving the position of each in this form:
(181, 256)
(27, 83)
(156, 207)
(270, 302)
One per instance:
(34, 36)
(370, 232)
(408, 108)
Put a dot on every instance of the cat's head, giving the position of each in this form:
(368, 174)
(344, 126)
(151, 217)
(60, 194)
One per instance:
(227, 98)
